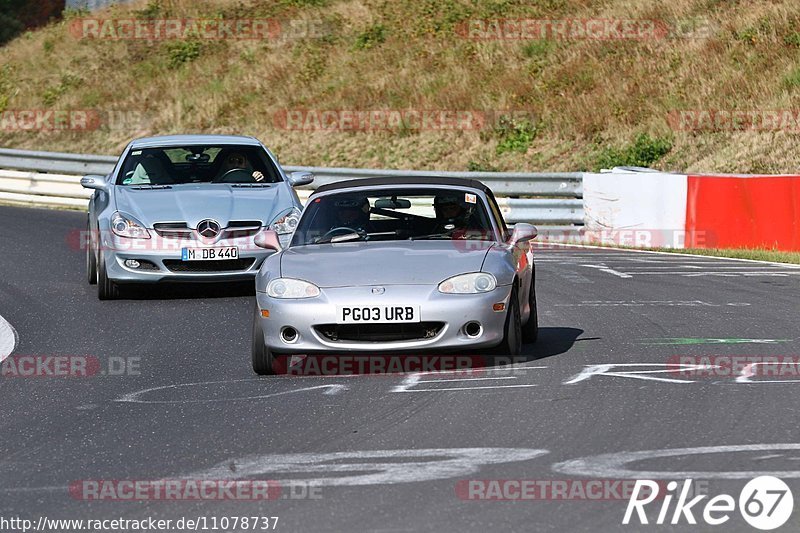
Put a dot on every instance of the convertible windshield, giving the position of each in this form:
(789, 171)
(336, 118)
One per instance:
(387, 215)
(177, 165)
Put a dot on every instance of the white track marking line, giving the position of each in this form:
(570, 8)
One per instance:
(621, 465)
(8, 339)
(604, 268)
(678, 254)
(732, 268)
(465, 388)
(466, 379)
(415, 379)
(744, 273)
(134, 397)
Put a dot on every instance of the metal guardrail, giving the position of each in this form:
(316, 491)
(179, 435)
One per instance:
(56, 162)
(52, 178)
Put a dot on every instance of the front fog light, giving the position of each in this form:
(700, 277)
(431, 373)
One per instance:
(132, 263)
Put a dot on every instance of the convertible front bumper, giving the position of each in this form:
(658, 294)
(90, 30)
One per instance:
(446, 321)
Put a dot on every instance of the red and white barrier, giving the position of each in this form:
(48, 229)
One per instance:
(645, 208)
(744, 211)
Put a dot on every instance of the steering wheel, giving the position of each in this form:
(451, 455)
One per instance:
(231, 177)
(343, 230)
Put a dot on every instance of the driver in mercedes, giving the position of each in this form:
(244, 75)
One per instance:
(239, 161)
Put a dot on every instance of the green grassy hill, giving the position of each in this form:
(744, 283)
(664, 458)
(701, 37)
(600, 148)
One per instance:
(563, 102)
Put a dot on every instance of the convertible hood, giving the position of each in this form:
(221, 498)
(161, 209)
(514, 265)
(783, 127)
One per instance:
(194, 202)
(383, 263)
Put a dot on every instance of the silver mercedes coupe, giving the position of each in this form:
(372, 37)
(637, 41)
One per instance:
(187, 208)
(396, 265)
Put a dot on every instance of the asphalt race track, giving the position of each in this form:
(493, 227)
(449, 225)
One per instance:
(603, 382)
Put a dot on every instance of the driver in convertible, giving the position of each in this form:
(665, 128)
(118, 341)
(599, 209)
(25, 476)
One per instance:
(451, 214)
(352, 213)
(238, 161)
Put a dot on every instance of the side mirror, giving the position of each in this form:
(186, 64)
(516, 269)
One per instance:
(299, 178)
(95, 182)
(268, 239)
(523, 232)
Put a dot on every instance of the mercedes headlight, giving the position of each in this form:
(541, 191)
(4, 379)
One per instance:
(125, 225)
(285, 225)
(287, 288)
(474, 283)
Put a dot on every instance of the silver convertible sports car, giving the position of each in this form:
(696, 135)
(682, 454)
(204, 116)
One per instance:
(398, 265)
(187, 208)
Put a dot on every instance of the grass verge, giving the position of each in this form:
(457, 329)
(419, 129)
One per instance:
(774, 256)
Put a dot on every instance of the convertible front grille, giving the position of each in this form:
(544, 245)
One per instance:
(408, 331)
(228, 265)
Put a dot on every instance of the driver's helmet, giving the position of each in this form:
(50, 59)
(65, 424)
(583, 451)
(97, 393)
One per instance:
(352, 212)
(450, 207)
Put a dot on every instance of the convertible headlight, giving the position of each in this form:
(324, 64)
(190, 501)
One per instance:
(286, 288)
(474, 283)
(284, 226)
(125, 225)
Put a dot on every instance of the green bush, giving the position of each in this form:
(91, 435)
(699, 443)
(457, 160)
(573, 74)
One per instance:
(53, 93)
(481, 165)
(793, 39)
(152, 10)
(644, 151)
(746, 35)
(514, 135)
(6, 87)
(371, 37)
(538, 48)
(180, 52)
(792, 79)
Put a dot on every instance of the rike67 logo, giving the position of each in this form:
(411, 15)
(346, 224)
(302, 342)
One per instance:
(765, 503)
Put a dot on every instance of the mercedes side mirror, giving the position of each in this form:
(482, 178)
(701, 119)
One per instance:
(95, 182)
(300, 178)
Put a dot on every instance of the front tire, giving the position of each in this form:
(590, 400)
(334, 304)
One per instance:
(262, 356)
(106, 288)
(512, 333)
(530, 331)
(91, 259)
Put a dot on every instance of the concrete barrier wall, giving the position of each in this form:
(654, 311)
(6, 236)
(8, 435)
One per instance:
(645, 208)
